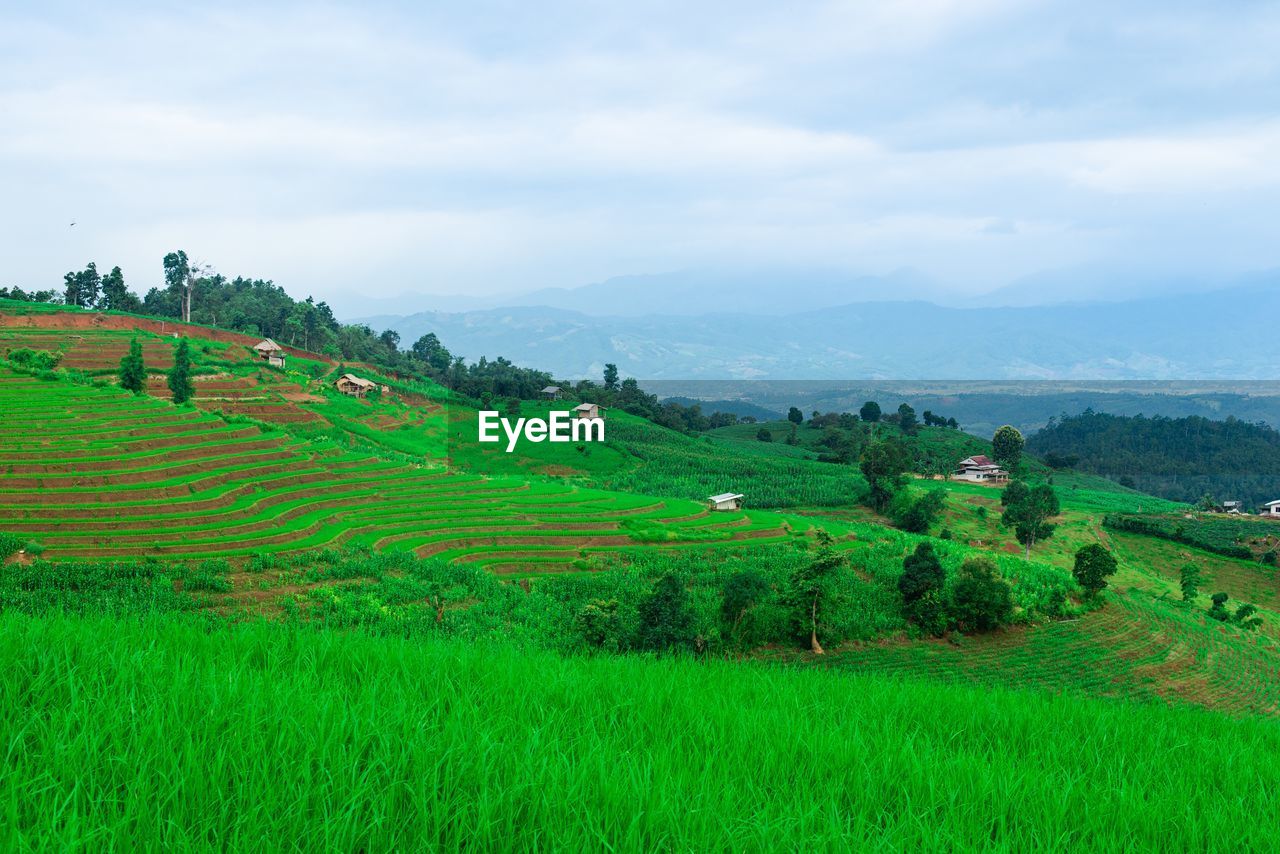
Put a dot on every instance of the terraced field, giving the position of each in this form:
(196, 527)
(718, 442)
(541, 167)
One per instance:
(95, 472)
(91, 351)
(1136, 647)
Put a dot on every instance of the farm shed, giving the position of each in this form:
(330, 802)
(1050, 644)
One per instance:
(726, 501)
(588, 410)
(980, 469)
(270, 352)
(354, 385)
(552, 392)
(1271, 508)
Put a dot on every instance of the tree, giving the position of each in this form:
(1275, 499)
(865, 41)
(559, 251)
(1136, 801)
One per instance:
(133, 373)
(611, 376)
(883, 464)
(1245, 617)
(921, 585)
(1007, 445)
(82, 288)
(743, 591)
(428, 349)
(513, 408)
(1218, 610)
(1190, 582)
(1016, 492)
(665, 619)
(179, 281)
(763, 435)
(907, 420)
(1029, 516)
(812, 589)
(870, 412)
(180, 374)
(115, 296)
(1093, 566)
(390, 339)
(980, 599)
(795, 416)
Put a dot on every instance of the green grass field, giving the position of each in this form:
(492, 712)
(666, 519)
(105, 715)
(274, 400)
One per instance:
(170, 733)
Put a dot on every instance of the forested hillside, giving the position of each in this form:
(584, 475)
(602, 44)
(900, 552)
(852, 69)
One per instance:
(1182, 459)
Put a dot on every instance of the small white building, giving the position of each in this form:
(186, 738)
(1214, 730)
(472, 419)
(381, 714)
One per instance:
(1271, 508)
(1232, 507)
(980, 469)
(726, 501)
(588, 410)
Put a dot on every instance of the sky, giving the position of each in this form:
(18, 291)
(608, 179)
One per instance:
(366, 151)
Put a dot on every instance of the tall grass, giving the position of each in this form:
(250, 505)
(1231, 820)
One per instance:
(167, 732)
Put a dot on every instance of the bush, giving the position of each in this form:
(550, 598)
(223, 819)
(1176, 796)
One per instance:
(915, 512)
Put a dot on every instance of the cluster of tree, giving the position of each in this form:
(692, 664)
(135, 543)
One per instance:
(88, 288)
(665, 615)
(612, 392)
(1176, 458)
(978, 599)
(1244, 616)
(19, 295)
(34, 360)
(1028, 509)
(884, 464)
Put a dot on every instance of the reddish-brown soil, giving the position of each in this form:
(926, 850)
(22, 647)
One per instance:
(94, 320)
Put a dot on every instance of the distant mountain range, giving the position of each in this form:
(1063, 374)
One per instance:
(1225, 334)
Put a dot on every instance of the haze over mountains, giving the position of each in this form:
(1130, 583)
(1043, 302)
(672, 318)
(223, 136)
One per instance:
(699, 326)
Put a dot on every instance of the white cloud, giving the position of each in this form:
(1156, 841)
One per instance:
(324, 145)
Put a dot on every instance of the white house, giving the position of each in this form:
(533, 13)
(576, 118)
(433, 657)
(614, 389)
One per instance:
(588, 410)
(1271, 508)
(980, 469)
(726, 501)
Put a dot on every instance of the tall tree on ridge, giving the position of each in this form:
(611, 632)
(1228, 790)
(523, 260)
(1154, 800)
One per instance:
(133, 373)
(180, 374)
